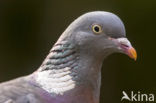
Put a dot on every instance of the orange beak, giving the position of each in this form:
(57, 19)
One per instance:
(131, 52)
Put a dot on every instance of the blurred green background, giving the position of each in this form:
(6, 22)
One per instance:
(29, 28)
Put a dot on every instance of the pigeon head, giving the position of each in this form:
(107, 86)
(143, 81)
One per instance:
(74, 63)
(100, 34)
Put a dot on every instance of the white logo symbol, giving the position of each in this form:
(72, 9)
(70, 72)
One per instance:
(125, 96)
(137, 96)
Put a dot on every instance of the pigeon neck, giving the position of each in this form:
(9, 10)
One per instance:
(66, 69)
(89, 74)
(55, 74)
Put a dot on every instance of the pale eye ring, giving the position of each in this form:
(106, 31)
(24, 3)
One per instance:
(97, 29)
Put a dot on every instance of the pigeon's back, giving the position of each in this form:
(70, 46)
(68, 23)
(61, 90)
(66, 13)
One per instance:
(19, 91)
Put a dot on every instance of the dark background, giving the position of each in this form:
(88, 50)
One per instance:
(29, 28)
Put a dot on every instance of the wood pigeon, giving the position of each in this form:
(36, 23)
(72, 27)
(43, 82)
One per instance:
(71, 73)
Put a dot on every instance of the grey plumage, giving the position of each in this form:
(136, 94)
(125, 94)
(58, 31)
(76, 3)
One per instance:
(71, 73)
(19, 91)
(61, 56)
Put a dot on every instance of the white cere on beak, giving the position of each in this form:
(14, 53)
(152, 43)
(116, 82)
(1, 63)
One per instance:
(124, 41)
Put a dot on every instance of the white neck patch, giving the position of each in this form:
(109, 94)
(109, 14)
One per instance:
(56, 81)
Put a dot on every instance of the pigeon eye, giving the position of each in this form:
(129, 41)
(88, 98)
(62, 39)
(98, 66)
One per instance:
(97, 29)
